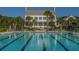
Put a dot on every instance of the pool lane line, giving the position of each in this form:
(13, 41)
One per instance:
(27, 42)
(60, 43)
(4, 38)
(7, 37)
(72, 36)
(10, 42)
(70, 39)
(44, 47)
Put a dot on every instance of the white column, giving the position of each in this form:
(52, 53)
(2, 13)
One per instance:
(38, 23)
(55, 17)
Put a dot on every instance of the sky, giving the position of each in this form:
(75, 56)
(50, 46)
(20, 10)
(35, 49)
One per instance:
(20, 11)
(12, 11)
(67, 11)
(62, 11)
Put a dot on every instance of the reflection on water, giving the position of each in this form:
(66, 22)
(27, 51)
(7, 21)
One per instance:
(44, 40)
(14, 35)
(38, 41)
(10, 36)
(67, 42)
(55, 41)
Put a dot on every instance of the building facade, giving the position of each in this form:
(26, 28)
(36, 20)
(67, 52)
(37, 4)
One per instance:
(39, 16)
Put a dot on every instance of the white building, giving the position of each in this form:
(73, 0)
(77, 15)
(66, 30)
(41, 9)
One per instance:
(38, 15)
(73, 17)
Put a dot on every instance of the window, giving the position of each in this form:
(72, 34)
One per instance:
(40, 18)
(45, 23)
(44, 18)
(35, 17)
(40, 23)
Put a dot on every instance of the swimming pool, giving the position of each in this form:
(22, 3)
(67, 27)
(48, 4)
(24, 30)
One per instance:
(39, 41)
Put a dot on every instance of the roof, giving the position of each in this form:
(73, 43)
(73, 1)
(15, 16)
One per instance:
(71, 17)
(35, 12)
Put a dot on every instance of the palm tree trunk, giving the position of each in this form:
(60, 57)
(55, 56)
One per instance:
(47, 23)
(33, 26)
(9, 27)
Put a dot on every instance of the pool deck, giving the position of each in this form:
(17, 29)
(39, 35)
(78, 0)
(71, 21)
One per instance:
(8, 32)
(2, 33)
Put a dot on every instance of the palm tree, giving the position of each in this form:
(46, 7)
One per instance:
(61, 23)
(3, 22)
(28, 21)
(18, 21)
(34, 22)
(70, 21)
(52, 24)
(10, 23)
(49, 16)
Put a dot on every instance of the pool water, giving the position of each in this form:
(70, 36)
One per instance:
(36, 41)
